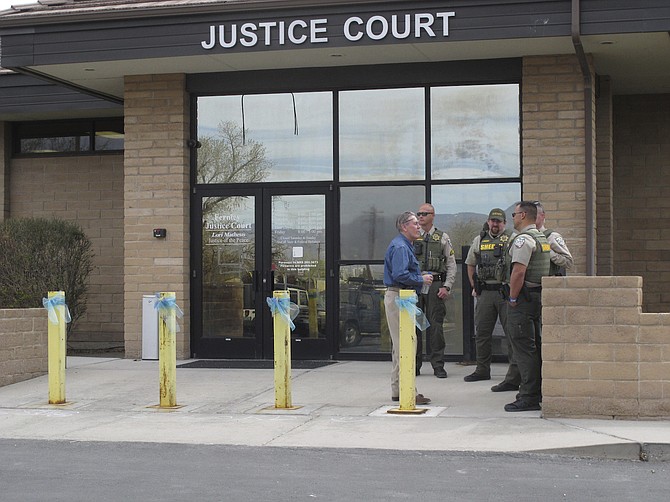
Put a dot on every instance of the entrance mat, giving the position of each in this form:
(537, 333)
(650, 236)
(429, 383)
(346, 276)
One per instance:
(251, 364)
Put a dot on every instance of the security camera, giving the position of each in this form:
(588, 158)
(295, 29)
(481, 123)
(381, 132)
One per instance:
(193, 143)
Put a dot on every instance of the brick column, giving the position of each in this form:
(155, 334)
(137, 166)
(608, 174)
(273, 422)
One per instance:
(156, 188)
(553, 146)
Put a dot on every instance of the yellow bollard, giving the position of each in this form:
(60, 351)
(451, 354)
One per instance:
(282, 356)
(57, 352)
(407, 355)
(167, 353)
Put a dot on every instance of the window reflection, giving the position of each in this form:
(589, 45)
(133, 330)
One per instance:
(265, 137)
(461, 210)
(367, 218)
(382, 134)
(228, 258)
(475, 131)
(362, 318)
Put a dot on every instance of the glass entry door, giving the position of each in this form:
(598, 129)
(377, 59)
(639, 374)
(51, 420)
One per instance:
(253, 242)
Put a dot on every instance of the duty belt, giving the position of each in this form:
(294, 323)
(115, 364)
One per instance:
(491, 287)
(439, 276)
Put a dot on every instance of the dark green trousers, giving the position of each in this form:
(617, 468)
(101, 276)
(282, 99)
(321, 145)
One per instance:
(435, 310)
(490, 306)
(524, 327)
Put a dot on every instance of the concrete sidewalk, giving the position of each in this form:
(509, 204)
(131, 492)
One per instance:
(342, 405)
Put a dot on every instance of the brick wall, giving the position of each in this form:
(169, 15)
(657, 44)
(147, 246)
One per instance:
(156, 196)
(642, 194)
(23, 344)
(553, 146)
(603, 357)
(87, 190)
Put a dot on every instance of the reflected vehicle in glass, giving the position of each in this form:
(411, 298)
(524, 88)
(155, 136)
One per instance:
(360, 313)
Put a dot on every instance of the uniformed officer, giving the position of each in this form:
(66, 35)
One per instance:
(435, 255)
(561, 259)
(486, 262)
(527, 261)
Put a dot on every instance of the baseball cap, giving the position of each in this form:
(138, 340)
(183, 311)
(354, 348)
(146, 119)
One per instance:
(497, 214)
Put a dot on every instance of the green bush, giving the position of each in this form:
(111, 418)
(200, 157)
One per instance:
(38, 256)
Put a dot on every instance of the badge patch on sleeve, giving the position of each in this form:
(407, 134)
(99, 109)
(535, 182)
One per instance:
(560, 241)
(520, 242)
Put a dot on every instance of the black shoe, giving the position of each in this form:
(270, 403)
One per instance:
(395, 398)
(520, 405)
(417, 372)
(440, 372)
(476, 377)
(504, 387)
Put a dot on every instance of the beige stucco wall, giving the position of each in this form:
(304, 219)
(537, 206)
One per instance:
(603, 357)
(23, 344)
(156, 195)
(87, 190)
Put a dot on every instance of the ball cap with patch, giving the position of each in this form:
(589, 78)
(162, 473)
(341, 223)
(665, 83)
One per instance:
(497, 214)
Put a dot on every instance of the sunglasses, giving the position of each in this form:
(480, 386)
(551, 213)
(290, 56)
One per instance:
(423, 213)
(520, 212)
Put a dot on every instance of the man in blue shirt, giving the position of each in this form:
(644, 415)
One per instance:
(401, 271)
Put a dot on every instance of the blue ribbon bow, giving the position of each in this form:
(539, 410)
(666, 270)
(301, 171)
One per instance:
(283, 307)
(55, 301)
(165, 307)
(409, 304)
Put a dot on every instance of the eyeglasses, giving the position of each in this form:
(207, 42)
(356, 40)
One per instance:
(423, 213)
(520, 212)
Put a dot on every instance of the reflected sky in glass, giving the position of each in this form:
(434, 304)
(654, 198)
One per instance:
(367, 218)
(475, 131)
(382, 134)
(298, 140)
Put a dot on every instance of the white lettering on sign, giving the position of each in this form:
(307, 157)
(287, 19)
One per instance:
(315, 31)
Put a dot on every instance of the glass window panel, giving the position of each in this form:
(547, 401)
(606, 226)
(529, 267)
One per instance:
(109, 134)
(286, 137)
(228, 261)
(367, 218)
(382, 134)
(362, 318)
(56, 136)
(475, 131)
(299, 257)
(461, 210)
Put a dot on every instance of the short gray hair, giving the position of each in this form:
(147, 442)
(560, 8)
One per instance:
(403, 218)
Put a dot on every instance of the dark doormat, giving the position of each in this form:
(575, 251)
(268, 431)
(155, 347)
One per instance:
(251, 364)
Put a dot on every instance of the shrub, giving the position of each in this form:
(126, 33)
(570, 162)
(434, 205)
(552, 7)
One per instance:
(38, 256)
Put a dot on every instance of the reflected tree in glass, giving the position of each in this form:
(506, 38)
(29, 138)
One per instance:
(229, 157)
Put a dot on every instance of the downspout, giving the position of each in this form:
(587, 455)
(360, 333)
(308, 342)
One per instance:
(588, 137)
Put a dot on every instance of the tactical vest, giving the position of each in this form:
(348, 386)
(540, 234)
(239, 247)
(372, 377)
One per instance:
(553, 268)
(491, 256)
(538, 266)
(429, 250)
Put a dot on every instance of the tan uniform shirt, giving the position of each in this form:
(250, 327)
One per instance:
(559, 253)
(522, 247)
